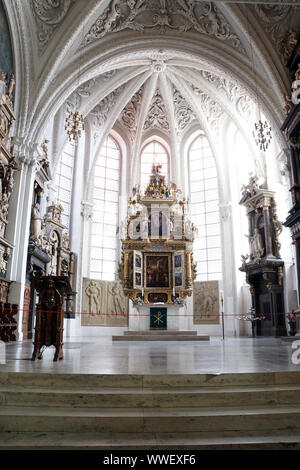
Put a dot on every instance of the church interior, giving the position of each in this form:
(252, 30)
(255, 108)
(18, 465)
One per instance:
(149, 224)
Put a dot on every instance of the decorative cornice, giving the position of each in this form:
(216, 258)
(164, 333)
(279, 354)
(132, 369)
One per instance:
(295, 228)
(28, 153)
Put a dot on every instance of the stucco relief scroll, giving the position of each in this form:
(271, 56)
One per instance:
(49, 14)
(163, 15)
(103, 304)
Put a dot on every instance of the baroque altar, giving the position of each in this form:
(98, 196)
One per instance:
(157, 245)
(263, 265)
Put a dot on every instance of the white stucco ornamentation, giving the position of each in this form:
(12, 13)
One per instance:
(157, 66)
(210, 108)
(233, 93)
(100, 113)
(184, 114)
(162, 16)
(49, 14)
(277, 21)
(129, 116)
(157, 116)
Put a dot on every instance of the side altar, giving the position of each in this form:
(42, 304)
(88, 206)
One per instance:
(157, 269)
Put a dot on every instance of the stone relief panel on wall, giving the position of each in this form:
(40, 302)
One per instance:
(206, 303)
(103, 304)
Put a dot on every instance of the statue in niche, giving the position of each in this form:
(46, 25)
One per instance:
(36, 222)
(66, 241)
(256, 245)
(8, 182)
(43, 241)
(3, 213)
(94, 293)
(54, 241)
(11, 86)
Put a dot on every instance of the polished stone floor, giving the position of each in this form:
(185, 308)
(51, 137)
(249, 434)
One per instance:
(99, 355)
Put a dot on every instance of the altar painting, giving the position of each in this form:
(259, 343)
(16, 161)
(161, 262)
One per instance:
(157, 271)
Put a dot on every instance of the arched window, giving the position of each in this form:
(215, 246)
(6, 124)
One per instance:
(105, 211)
(64, 181)
(204, 200)
(154, 152)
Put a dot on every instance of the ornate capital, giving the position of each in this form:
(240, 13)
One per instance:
(27, 152)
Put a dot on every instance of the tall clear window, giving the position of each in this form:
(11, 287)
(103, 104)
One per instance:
(64, 181)
(154, 152)
(105, 212)
(204, 200)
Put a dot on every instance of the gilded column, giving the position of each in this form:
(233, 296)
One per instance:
(188, 269)
(126, 268)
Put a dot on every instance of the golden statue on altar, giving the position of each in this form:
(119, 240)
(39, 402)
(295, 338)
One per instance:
(157, 241)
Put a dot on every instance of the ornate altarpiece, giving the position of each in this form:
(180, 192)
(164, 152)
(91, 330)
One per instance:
(49, 254)
(157, 241)
(263, 265)
(291, 165)
(7, 166)
(49, 251)
(8, 323)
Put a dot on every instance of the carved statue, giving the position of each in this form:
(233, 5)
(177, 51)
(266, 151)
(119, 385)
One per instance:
(287, 104)
(256, 245)
(11, 86)
(66, 241)
(244, 260)
(93, 292)
(42, 241)
(8, 182)
(117, 299)
(36, 222)
(4, 203)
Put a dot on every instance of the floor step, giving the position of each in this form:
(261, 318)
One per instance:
(164, 337)
(285, 419)
(202, 411)
(147, 398)
(147, 441)
(120, 381)
(161, 332)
